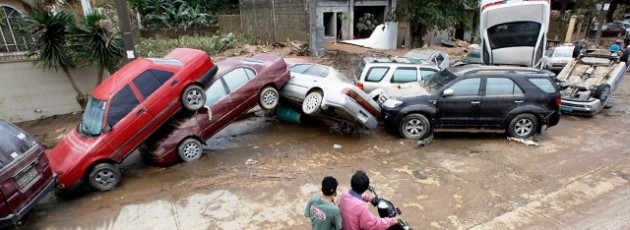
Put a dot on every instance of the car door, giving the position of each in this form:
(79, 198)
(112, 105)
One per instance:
(219, 105)
(462, 107)
(298, 83)
(128, 120)
(243, 92)
(153, 91)
(501, 96)
(374, 78)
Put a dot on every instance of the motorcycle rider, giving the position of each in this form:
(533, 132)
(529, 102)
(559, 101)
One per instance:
(323, 211)
(354, 207)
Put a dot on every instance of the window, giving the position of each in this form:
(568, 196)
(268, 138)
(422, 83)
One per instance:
(467, 87)
(215, 92)
(151, 80)
(15, 39)
(439, 59)
(317, 70)
(514, 34)
(376, 74)
(300, 68)
(549, 52)
(13, 143)
(502, 86)
(543, 84)
(426, 74)
(403, 75)
(235, 79)
(250, 73)
(122, 104)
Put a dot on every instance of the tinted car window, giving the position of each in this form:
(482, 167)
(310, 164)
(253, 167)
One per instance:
(467, 87)
(439, 59)
(513, 34)
(13, 143)
(215, 92)
(299, 68)
(403, 75)
(502, 86)
(544, 84)
(235, 78)
(148, 82)
(161, 75)
(376, 74)
(122, 103)
(316, 70)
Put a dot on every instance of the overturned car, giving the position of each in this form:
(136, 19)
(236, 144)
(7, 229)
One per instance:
(587, 82)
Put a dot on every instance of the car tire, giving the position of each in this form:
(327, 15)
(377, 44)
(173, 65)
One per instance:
(193, 98)
(523, 126)
(576, 50)
(104, 177)
(189, 149)
(312, 103)
(602, 92)
(415, 126)
(269, 98)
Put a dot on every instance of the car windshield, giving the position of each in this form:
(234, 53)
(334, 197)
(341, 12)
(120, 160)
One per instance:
(474, 57)
(92, 122)
(13, 143)
(437, 81)
(514, 34)
(339, 76)
(562, 53)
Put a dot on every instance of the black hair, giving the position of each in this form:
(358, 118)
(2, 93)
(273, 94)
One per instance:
(360, 182)
(329, 185)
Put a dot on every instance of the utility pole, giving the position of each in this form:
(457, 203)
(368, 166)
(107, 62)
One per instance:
(125, 28)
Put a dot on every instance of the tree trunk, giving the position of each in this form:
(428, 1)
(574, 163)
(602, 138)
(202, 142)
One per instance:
(611, 10)
(72, 82)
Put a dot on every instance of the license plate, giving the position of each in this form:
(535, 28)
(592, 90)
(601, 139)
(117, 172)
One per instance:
(26, 176)
(566, 108)
(363, 118)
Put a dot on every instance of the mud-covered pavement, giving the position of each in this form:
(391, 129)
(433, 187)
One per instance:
(258, 174)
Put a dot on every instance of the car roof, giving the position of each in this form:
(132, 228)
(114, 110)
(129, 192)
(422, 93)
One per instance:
(256, 62)
(172, 62)
(420, 53)
(396, 60)
(475, 69)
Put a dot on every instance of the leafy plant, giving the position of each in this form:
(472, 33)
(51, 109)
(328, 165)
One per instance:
(99, 42)
(160, 46)
(366, 23)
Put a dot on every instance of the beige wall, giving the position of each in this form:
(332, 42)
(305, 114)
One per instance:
(16, 4)
(28, 92)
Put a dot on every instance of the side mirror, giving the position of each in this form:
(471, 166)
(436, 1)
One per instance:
(448, 92)
(107, 129)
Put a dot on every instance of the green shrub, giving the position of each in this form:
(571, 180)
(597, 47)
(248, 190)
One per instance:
(160, 46)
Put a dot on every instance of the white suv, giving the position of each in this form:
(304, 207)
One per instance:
(381, 72)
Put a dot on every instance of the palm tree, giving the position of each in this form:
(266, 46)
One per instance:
(96, 41)
(50, 33)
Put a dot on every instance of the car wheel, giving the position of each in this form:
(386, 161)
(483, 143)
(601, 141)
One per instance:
(189, 149)
(313, 102)
(523, 126)
(269, 98)
(576, 50)
(602, 92)
(193, 98)
(104, 176)
(415, 126)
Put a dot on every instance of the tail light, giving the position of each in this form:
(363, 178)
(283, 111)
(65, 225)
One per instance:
(558, 101)
(365, 104)
(360, 85)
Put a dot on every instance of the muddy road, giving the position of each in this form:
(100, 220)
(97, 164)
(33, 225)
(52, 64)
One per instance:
(259, 173)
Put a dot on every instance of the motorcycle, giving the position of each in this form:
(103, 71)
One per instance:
(387, 209)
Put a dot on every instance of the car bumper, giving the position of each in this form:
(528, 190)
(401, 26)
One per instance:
(166, 158)
(355, 110)
(205, 79)
(587, 108)
(12, 218)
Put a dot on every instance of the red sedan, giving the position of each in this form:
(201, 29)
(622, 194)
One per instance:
(239, 86)
(124, 110)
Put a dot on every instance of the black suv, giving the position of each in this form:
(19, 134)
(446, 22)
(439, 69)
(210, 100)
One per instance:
(516, 99)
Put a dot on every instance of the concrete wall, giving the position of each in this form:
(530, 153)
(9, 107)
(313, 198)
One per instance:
(28, 92)
(230, 23)
(274, 20)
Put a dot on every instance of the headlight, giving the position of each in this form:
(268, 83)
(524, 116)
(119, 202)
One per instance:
(391, 103)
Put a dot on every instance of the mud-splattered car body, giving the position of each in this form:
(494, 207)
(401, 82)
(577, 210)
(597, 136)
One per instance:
(587, 82)
(239, 86)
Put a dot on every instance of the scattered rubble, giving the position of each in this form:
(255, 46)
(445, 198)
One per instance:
(523, 141)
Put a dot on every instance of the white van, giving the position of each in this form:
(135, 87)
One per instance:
(514, 32)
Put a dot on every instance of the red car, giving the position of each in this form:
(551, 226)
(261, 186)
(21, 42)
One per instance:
(24, 173)
(239, 86)
(124, 110)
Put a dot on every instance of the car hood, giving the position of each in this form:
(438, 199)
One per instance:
(68, 153)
